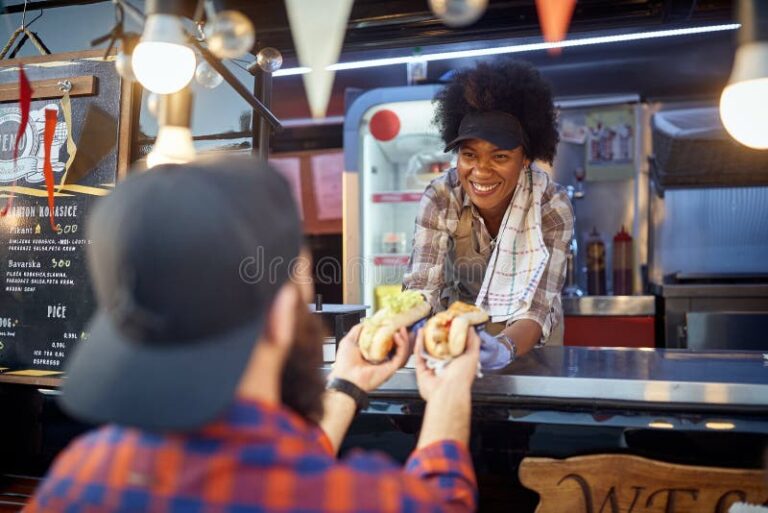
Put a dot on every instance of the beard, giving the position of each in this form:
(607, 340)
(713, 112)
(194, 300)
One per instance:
(302, 384)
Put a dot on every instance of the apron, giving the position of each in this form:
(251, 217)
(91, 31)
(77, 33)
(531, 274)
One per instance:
(465, 269)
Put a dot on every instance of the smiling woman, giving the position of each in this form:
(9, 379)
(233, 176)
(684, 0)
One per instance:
(494, 230)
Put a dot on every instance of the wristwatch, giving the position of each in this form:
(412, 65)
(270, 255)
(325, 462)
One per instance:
(350, 389)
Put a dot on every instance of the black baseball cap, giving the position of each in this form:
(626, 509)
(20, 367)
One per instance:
(499, 128)
(185, 263)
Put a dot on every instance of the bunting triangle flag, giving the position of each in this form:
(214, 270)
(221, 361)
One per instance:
(554, 18)
(318, 29)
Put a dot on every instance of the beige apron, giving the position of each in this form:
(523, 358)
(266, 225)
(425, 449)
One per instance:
(465, 269)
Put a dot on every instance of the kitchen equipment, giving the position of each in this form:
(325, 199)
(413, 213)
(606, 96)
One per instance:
(572, 288)
(716, 311)
(692, 149)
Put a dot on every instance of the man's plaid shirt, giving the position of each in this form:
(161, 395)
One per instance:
(259, 458)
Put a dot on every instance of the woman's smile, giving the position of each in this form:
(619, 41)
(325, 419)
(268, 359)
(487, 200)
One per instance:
(484, 189)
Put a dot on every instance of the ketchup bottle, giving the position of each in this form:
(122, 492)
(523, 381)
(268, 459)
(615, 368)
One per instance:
(622, 264)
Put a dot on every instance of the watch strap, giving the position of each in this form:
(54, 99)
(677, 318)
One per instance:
(350, 389)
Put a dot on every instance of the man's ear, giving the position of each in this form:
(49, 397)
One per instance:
(282, 317)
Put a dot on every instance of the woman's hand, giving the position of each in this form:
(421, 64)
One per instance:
(460, 373)
(351, 365)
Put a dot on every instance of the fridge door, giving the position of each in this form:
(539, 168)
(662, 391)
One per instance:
(398, 153)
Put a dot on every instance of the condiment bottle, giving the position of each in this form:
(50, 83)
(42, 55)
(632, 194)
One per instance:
(595, 264)
(622, 264)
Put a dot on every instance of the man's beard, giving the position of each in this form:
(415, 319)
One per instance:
(302, 383)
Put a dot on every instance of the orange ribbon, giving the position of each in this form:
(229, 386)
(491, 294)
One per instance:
(51, 118)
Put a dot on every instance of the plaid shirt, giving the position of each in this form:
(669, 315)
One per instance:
(437, 220)
(259, 458)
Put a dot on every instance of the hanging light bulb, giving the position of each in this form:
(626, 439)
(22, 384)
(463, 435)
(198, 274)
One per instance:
(744, 102)
(230, 35)
(173, 146)
(207, 77)
(162, 61)
(458, 13)
(174, 143)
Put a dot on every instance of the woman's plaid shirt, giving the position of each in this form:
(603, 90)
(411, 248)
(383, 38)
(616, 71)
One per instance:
(437, 220)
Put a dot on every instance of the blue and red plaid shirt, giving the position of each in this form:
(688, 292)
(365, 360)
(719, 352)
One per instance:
(258, 458)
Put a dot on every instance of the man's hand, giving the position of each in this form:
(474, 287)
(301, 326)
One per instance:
(351, 365)
(459, 373)
(449, 395)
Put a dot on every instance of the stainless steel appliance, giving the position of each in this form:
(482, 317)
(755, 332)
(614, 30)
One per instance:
(710, 311)
(708, 233)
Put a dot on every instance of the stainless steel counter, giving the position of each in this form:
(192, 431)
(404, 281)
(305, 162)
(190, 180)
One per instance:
(666, 379)
(610, 305)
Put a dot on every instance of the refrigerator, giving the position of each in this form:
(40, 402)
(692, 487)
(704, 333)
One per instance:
(391, 153)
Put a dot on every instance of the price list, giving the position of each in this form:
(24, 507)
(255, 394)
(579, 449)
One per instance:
(46, 299)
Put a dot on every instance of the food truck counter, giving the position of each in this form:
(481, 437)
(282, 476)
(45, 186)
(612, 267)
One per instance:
(672, 379)
(642, 382)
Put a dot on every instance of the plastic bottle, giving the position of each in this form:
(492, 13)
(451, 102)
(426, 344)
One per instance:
(622, 264)
(595, 264)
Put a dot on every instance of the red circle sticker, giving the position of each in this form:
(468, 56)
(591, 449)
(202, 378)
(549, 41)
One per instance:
(385, 125)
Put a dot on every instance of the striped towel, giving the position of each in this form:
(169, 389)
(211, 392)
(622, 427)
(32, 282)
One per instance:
(520, 257)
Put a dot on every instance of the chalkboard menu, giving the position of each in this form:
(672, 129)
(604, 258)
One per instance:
(46, 299)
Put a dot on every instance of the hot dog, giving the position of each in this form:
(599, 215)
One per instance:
(445, 334)
(401, 310)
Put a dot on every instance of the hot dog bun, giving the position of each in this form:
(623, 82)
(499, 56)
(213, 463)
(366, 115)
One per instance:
(377, 336)
(445, 334)
(475, 315)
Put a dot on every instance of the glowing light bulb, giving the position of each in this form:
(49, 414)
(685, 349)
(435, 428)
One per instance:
(172, 146)
(744, 102)
(744, 112)
(230, 35)
(162, 62)
(208, 77)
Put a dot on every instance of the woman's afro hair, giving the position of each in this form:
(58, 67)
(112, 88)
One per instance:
(514, 87)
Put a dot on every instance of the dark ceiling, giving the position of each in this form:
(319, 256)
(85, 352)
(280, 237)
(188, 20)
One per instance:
(690, 67)
(397, 24)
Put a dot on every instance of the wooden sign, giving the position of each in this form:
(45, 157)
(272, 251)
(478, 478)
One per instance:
(618, 483)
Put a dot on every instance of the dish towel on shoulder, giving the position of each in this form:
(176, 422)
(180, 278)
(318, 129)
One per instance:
(520, 257)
